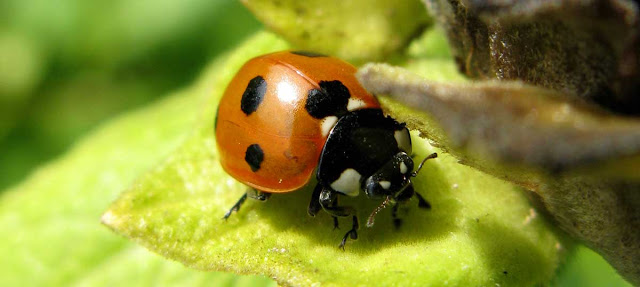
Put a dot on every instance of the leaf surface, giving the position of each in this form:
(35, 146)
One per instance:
(357, 31)
(480, 231)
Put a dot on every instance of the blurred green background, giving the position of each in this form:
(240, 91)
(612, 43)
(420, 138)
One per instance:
(68, 65)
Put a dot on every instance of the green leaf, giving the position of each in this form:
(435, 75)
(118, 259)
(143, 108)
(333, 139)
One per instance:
(53, 236)
(560, 149)
(51, 221)
(353, 30)
(588, 269)
(480, 231)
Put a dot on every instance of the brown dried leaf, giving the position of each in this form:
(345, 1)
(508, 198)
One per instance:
(586, 48)
(581, 161)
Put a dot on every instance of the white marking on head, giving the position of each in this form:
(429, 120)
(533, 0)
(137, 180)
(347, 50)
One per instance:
(385, 184)
(403, 168)
(327, 124)
(348, 182)
(355, 104)
(403, 138)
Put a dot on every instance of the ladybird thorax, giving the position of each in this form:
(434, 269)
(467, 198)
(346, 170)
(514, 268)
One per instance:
(366, 151)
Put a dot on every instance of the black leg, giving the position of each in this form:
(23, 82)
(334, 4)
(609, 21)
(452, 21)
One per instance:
(409, 192)
(258, 195)
(336, 225)
(327, 197)
(314, 205)
(236, 206)
(397, 222)
(353, 233)
(405, 194)
(422, 203)
(328, 200)
(251, 193)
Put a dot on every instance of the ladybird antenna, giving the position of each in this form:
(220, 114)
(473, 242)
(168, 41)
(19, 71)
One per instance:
(415, 173)
(372, 217)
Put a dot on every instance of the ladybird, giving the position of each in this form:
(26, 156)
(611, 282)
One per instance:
(288, 115)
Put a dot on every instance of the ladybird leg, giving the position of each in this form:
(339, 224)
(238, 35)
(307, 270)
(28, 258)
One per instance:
(397, 222)
(236, 206)
(402, 197)
(405, 194)
(422, 203)
(314, 205)
(327, 200)
(353, 233)
(258, 195)
(336, 225)
(251, 193)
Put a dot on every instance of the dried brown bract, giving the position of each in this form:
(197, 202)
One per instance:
(556, 111)
(585, 48)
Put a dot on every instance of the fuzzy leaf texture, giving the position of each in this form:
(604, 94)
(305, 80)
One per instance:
(480, 231)
(359, 31)
(53, 235)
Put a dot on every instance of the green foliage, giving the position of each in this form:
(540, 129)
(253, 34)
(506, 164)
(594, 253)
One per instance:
(358, 31)
(69, 65)
(587, 269)
(51, 221)
(480, 231)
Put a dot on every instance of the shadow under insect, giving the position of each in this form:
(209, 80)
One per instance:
(289, 212)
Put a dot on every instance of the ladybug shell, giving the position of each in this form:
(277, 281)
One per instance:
(276, 113)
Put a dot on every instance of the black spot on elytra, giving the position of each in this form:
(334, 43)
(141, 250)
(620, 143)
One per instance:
(308, 54)
(253, 95)
(331, 99)
(254, 157)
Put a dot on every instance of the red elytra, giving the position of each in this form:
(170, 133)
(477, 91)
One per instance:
(265, 134)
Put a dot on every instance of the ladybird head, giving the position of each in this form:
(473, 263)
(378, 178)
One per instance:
(393, 182)
(391, 178)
